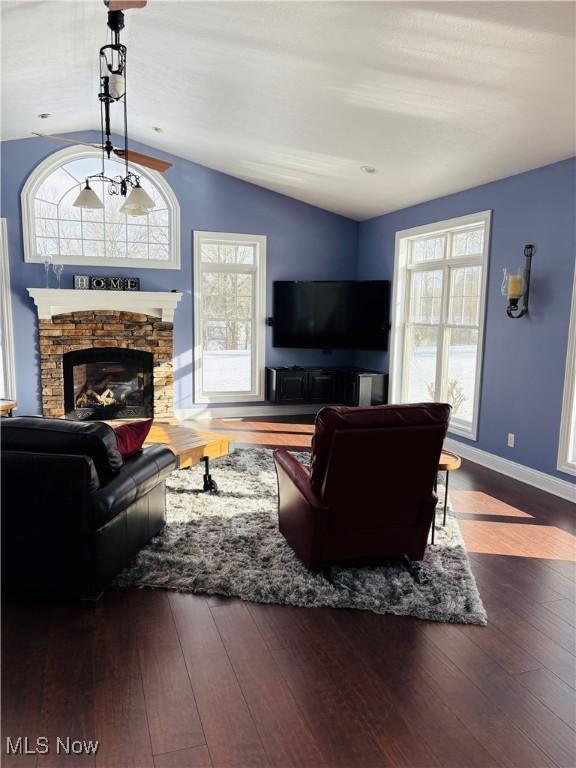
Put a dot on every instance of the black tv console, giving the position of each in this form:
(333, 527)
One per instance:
(309, 385)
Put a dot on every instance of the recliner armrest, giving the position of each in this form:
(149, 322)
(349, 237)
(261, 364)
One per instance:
(139, 475)
(298, 474)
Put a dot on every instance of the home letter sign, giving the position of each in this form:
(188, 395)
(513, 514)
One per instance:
(131, 283)
(82, 282)
(92, 283)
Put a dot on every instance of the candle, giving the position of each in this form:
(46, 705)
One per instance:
(514, 286)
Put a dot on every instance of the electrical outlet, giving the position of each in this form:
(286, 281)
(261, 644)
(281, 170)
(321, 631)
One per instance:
(511, 438)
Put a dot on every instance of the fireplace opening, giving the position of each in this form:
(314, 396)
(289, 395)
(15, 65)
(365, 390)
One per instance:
(108, 383)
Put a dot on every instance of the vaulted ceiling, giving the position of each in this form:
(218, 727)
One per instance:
(293, 96)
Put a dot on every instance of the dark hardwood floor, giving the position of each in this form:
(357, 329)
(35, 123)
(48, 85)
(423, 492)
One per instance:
(168, 680)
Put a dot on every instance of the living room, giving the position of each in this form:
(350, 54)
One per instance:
(288, 336)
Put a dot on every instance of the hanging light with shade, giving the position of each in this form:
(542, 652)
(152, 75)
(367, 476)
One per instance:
(138, 202)
(113, 90)
(88, 199)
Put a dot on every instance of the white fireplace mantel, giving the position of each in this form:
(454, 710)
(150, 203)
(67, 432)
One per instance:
(59, 301)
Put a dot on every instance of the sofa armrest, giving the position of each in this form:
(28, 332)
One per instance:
(298, 474)
(44, 494)
(138, 476)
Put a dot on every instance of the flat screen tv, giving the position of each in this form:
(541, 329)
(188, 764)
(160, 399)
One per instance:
(331, 315)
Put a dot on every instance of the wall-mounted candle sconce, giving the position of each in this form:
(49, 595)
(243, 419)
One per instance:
(516, 285)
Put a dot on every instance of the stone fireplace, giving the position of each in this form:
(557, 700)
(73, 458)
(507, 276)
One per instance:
(106, 354)
(106, 364)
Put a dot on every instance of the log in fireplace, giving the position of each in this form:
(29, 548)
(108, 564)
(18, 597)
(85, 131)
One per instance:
(108, 383)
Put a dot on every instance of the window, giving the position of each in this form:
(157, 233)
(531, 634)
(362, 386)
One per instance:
(567, 449)
(53, 226)
(438, 316)
(7, 373)
(229, 317)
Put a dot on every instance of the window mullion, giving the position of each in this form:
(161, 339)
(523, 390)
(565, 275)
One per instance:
(58, 229)
(424, 266)
(254, 331)
(405, 335)
(82, 230)
(405, 360)
(441, 341)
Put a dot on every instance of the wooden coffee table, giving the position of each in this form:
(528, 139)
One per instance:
(191, 446)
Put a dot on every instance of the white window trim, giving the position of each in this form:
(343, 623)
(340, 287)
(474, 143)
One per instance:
(52, 163)
(400, 300)
(567, 418)
(259, 318)
(6, 309)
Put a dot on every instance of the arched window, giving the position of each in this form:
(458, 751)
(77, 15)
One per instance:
(105, 237)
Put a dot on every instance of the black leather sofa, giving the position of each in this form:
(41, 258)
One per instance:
(73, 512)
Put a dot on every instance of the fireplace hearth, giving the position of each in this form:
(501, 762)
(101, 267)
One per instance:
(109, 383)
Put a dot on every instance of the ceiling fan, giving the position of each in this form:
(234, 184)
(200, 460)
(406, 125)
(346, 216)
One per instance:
(113, 90)
(133, 157)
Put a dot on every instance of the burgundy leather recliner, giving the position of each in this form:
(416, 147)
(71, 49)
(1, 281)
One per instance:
(369, 493)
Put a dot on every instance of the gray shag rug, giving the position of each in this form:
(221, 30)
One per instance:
(229, 544)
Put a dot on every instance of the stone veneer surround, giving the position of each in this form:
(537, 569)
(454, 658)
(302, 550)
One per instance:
(101, 329)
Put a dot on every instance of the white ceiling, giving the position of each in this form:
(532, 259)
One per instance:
(295, 97)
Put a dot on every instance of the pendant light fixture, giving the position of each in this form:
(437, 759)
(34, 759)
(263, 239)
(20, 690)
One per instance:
(113, 90)
(88, 199)
(138, 202)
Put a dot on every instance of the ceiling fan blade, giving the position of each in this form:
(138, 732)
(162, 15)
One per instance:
(145, 160)
(66, 140)
(133, 157)
(124, 5)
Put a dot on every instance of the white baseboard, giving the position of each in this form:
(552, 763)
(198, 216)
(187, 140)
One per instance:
(244, 411)
(563, 488)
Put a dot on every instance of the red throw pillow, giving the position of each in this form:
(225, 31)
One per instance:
(130, 437)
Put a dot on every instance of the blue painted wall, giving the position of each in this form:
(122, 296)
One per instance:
(304, 242)
(524, 360)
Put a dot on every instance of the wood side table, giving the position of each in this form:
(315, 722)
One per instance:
(448, 462)
(7, 406)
